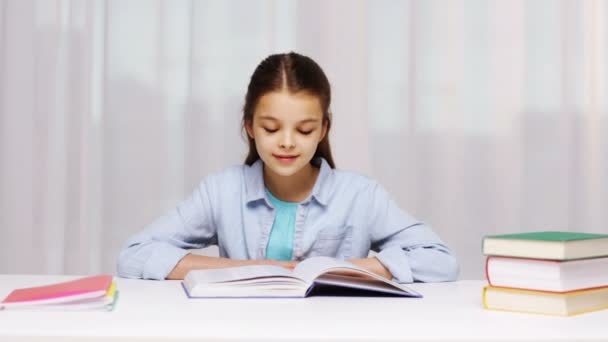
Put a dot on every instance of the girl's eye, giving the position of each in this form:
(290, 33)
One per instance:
(270, 130)
(306, 132)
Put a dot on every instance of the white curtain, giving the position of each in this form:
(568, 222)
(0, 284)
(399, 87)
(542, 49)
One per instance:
(479, 117)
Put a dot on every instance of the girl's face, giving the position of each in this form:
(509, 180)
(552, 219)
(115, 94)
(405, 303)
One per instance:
(286, 129)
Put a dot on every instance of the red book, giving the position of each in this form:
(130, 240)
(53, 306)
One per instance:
(547, 275)
(79, 290)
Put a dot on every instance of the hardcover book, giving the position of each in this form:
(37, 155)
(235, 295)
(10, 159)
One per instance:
(318, 275)
(548, 303)
(547, 245)
(547, 275)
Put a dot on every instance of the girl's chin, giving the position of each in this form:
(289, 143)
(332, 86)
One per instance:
(283, 170)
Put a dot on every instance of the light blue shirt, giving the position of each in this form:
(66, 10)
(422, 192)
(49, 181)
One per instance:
(280, 243)
(345, 216)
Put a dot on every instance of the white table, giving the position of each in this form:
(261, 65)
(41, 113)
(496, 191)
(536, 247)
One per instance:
(160, 311)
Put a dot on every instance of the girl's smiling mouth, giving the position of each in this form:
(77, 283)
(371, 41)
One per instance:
(285, 158)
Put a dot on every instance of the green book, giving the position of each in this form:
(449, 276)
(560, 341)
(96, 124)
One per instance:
(549, 245)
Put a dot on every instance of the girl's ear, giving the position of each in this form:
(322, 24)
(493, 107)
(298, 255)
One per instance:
(249, 128)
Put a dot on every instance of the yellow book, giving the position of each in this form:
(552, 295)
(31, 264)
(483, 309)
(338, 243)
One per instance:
(111, 292)
(548, 303)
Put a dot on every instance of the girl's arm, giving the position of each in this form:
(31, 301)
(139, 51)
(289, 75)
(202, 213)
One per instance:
(154, 252)
(197, 262)
(407, 248)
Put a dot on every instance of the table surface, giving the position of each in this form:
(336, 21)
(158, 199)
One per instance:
(159, 310)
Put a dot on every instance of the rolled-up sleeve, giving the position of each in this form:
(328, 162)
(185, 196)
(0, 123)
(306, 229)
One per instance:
(409, 249)
(154, 252)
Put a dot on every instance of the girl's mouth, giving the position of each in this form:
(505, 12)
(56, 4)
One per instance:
(285, 158)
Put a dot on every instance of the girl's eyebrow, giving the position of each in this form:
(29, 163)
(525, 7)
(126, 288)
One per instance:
(268, 118)
(275, 119)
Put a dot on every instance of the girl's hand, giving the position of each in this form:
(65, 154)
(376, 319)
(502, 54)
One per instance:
(202, 262)
(373, 265)
(287, 264)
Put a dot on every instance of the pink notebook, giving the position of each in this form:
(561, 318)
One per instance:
(83, 288)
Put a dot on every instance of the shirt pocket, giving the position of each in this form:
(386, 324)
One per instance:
(335, 243)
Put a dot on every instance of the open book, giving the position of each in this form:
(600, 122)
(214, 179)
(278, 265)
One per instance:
(318, 275)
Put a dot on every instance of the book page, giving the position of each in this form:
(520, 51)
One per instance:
(222, 275)
(332, 271)
(365, 284)
(311, 268)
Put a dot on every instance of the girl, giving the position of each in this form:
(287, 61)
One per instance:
(288, 202)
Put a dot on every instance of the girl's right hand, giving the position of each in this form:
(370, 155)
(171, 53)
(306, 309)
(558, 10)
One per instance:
(287, 264)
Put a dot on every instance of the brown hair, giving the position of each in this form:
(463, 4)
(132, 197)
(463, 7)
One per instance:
(295, 73)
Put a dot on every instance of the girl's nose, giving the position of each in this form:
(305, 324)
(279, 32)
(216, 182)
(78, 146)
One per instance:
(287, 141)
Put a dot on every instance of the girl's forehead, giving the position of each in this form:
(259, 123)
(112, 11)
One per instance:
(288, 106)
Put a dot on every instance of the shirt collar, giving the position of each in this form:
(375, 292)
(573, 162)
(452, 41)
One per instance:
(254, 182)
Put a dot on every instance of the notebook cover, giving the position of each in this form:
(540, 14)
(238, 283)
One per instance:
(60, 290)
(550, 236)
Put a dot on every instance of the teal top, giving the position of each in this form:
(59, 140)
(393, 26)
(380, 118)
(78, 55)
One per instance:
(280, 242)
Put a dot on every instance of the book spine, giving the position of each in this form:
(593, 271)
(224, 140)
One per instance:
(483, 298)
(487, 272)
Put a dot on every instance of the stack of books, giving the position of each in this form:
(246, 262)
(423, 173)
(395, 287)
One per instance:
(553, 273)
(95, 293)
